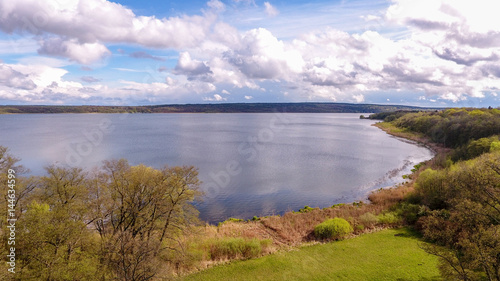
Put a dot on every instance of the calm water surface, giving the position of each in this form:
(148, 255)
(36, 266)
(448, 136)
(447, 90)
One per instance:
(250, 164)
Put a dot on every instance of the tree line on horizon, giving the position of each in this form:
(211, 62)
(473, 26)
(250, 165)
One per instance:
(312, 107)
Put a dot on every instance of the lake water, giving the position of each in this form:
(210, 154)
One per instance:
(250, 164)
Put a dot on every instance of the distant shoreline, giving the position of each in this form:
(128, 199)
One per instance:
(316, 107)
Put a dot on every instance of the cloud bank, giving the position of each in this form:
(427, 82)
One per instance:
(450, 51)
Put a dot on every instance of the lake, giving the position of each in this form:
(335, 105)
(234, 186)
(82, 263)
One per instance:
(250, 164)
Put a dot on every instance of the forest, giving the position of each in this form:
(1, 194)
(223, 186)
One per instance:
(456, 197)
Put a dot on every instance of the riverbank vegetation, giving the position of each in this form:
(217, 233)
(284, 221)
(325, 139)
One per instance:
(122, 222)
(456, 198)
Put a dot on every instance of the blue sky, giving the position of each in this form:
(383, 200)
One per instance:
(428, 53)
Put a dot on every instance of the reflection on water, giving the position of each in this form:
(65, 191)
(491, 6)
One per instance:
(250, 164)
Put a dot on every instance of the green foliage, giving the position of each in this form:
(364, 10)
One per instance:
(306, 209)
(417, 167)
(495, 146)
(336, 228)
(431, 186)
(230, 220)
(337, 205)
(358, 204)
(120, 223)
(410, 212)
(475, 148)
(453, 127)
(389, 218)
(54, 246)
(468, 225)
(461, 193)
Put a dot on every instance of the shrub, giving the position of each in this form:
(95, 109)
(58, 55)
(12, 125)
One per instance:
(409, 212)
(368, 219)
(306, 209)
(336, 228)
(495, 146)
(388, 218)
(337, 205)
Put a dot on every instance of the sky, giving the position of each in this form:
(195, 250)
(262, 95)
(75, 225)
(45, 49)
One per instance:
(133, 52)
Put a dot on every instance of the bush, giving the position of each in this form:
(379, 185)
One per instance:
(495, 146)
(306, 209)
(410, 212)
(368, 219)
(388, 218)
(336, 228)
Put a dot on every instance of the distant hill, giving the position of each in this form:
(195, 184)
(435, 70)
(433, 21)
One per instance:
(213, 108)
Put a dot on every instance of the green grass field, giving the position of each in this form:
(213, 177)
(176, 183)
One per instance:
(391, 254)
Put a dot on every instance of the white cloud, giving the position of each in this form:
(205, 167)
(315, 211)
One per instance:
(263, 56)
(358, 98)
(187, 66)
(15, 79)
(86, 53)
(450, 50)
(270, 9)
(215, 97)
(86, 25)
(216, 5)
(248, 97)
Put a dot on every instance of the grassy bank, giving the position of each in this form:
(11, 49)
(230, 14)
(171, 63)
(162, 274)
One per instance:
(391, 254)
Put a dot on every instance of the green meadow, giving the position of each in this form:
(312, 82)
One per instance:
(391, 254)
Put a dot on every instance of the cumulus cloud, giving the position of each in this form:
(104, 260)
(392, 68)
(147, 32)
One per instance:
(187, 66)
(263, 56)
(215, 97)
(83, 26)
(39, 84)
(15, 79)
(86, 53)
(450, 50)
